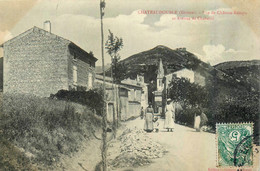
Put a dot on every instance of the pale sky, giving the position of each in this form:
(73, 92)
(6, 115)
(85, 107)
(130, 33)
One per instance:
(224, 38)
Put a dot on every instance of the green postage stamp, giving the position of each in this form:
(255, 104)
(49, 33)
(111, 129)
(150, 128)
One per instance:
(234, 144)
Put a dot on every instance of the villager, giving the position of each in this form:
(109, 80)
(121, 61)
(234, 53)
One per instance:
(197, 120)
(169, 116)
(203, 118)
(149, 114)
(142, 113)
(156, 124)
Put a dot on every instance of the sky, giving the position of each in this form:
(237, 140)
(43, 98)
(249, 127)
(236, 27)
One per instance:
(174, 23)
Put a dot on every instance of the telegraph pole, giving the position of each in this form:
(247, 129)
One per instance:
(104, 116)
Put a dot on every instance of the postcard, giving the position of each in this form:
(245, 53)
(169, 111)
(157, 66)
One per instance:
(133, 85)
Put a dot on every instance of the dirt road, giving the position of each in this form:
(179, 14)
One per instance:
(187, 149)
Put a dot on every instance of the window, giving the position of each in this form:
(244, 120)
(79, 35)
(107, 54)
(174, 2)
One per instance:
(75, 75)
(74, 56)
(90, 78)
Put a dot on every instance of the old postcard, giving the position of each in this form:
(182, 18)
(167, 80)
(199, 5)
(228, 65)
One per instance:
(133, 85)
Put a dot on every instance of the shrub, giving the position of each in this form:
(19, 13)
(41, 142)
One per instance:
(92, 98)
(44, 127)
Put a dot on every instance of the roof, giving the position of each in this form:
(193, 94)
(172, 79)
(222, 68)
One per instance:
(130, 84)
(108, 80)
(100, 77)
(37, 29)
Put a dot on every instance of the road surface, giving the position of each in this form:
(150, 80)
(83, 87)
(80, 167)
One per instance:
(187, 149)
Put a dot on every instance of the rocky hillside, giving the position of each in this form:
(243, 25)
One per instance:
(246, 72)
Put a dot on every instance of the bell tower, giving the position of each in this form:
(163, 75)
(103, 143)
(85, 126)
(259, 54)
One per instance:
(160, 75)
(158, 94)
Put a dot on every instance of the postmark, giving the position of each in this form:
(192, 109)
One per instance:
(234, 144)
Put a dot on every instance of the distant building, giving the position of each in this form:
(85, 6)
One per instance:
(41, 63)
(192, 76)
(134, 97)
(163, 81)
(114, 91)
(131, 94)
(144, 96)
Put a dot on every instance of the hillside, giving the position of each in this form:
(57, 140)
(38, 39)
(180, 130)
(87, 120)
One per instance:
(146, 62)
(98, 69)
(247, 72)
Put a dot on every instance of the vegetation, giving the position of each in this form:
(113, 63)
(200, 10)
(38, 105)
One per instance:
(113, 46)
(222, 101)
(182, 90)
(193, 98)
(12, 158)
(233, 103)
(44, 128)
(91, 98)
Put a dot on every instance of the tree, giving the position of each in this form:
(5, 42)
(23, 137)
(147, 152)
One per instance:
(113, 46)
(182, 90)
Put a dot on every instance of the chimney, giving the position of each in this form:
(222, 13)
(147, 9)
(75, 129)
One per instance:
(47, 26)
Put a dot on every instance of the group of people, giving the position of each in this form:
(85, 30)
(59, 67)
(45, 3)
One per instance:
(151, 122)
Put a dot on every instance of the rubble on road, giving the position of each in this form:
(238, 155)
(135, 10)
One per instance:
(137, 148)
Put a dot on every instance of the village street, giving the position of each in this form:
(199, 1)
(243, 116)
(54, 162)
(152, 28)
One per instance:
(187, 149)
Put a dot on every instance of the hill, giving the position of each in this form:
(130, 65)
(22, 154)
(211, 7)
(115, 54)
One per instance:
(247, 72)
(98, 69)
(146, 62)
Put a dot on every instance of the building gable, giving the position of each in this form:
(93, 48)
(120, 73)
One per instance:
(32, 31)
(35, 62)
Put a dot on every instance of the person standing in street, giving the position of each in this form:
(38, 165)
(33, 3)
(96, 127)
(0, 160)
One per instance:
(169, 116)
(197, 120)
(142, 113)
(148, 119)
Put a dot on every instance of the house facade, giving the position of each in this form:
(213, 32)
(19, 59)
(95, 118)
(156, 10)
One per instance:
(125, 99)
(192, 76)
(41, 63)
(144, 96)
(134, 97)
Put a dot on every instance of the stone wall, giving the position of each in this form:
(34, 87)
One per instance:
(134, 109)
(35, 63)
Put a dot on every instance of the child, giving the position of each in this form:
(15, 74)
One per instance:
(156, 124)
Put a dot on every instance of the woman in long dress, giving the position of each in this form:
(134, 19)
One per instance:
(197, 122)
(148, 124)
(169, 116)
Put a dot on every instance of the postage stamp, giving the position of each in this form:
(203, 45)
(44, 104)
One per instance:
(234, 144)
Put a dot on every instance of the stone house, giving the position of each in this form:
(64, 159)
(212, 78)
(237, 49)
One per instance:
(134, 97)
(129, 93)
(41, 63)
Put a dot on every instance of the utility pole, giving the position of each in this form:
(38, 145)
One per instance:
(104, 116)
